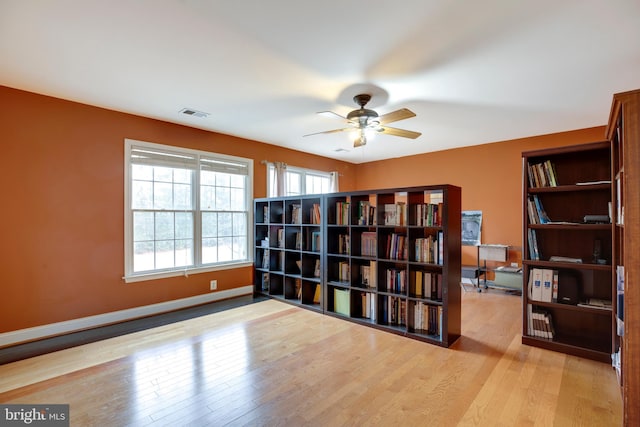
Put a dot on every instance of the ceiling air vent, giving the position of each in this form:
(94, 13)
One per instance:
(194, 113)
(341, 150)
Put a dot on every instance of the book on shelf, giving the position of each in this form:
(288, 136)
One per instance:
(298, 288)
(620, 300)
(427, 318)
(343, 271)
(537, 214)
(265, 282)
(365, 275)
(395, 214)
(427, 250)
(298, 236)
(368, 305)
(341, 301)
(265, 259)
(547, 285)
(315, 214)
(265, 213)
(556, 258)
(428, 284)
(396, 246)
(366, 213)
(535, 284)
(296, 214)
(317, 294)
(316, 242)
(299, 265)
(342, 213)
(542, 174)
(344, 244)
(316, 269)
(534, 254)
(597, 303)
(428, 214)
(280, 236)
(368, 243)
(539, 323)
(396, 280)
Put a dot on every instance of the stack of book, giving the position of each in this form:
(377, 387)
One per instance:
(542, 175)
(539, 323)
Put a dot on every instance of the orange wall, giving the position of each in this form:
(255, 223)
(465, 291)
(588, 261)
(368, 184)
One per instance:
(62, 169)
(490, 176)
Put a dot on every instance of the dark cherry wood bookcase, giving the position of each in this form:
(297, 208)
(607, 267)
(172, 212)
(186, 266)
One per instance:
(356, 235)
(583, 186)
(623, 130)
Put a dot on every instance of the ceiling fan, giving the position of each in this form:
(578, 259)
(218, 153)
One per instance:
(364, 120)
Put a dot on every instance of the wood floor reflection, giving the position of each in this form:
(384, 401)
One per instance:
(270, 363)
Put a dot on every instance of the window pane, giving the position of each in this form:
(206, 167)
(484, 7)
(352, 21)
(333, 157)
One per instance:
(238, 181)
(237, 199)
(223, 198)
(165, 254)
(209, 224)
(207, 178)
(143, 256)
(225, 227)
(141, 195)
(184, 225)
(142, 226)
(207, 198)
(239, 224)
(162, 174)
(222, 179)
(142, 172)
(164, 225)
(162, 195)
(184, 252)
(239, 248)
(225, 249)
(209, 251)
(182, 196)
(182, 176)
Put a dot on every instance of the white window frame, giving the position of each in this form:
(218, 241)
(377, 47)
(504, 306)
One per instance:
(197, 267)
(303, 172)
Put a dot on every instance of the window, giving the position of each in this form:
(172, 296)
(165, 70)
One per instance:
(299, 181)
(185, 210)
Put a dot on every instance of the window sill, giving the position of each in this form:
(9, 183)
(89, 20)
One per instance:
(186, 272)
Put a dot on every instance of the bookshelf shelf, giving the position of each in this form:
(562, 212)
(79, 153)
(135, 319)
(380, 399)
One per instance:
(555, 206)
(375, 253)
(287, 250)
(623, 131)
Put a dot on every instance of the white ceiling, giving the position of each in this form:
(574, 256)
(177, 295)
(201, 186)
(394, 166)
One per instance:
(473, 71)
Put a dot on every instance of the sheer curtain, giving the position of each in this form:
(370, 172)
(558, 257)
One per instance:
(334, 184)
(281, 178)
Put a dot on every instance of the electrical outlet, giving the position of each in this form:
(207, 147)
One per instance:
(213, 285)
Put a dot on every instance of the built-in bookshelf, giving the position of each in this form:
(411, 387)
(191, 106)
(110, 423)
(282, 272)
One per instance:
(288, 243)
(623, 130)
(568, 248)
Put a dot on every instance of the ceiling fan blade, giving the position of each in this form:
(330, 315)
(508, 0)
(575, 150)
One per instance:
(331, 115)
(330, 131)
(394, 116)
(399, 132)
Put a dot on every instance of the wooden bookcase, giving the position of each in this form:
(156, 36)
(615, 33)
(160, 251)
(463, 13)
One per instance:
(363, 248)
(287, 251)
(623, 130)
(568, 183)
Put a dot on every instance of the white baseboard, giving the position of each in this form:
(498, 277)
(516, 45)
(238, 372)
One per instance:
(52, 329)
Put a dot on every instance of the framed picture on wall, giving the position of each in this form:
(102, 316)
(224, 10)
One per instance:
(471, 227)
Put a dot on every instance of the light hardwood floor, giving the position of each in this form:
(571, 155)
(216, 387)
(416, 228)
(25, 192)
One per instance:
(273, 364)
